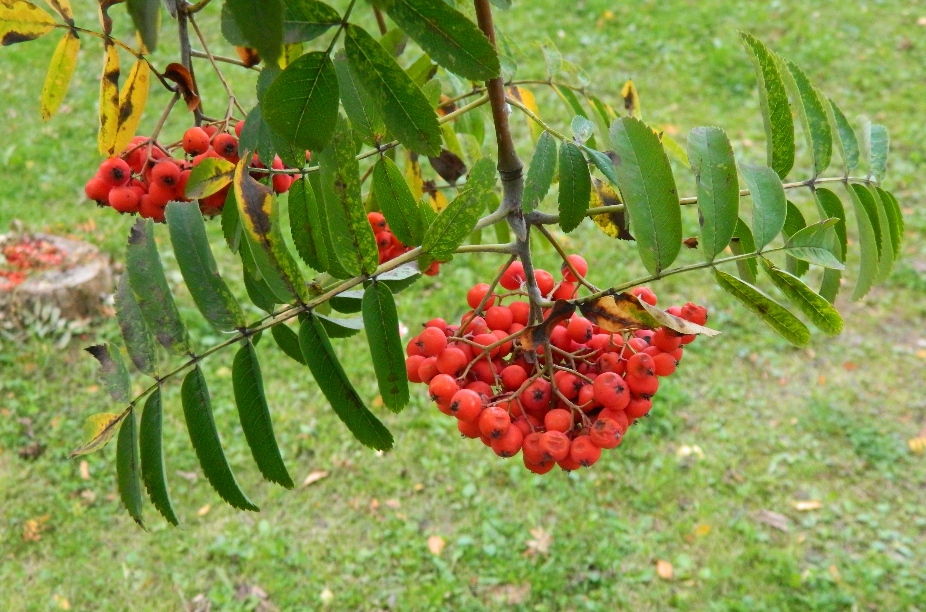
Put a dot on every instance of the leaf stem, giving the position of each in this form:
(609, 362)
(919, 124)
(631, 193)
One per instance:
(215, 66)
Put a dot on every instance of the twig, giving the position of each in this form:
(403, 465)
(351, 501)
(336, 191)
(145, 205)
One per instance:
(215, 67)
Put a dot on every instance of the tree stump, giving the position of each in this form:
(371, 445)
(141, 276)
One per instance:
(79, 286)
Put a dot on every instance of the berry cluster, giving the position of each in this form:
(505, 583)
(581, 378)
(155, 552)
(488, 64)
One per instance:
(146, 177)
(26, 255)
(389, 245)
(596, 386)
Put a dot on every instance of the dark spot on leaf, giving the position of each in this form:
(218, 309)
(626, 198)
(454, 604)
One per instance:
(137, 234)
(11, 38)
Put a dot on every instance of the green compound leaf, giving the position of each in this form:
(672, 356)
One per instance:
(816, 244)
(135, 334)
(895, 218)
(776, 114)
(575, 186)
(794, 222)
(452, 40)
(362, 111)
(812, 110)
(831, 208)
(406, 111)
(771, 312)
(259, 214)
(602, 162)
(305, 20)
(260, 22)
(254, 413)
(153, 472)
(128, 468)
(650, 196)
(113, 373)
(302, 103)
(871, 211)
(711, 157)
(769, 205)
(197, 409)
(742, 243)
(194, 256)
(886, 263)
(820, 312)
(868, 247)
(456, 222)
(333, 381)
(848, 141)
(149, 286)
(541, 172)
(350, 232)
(397, 203)
(382, 324)
(305, 225)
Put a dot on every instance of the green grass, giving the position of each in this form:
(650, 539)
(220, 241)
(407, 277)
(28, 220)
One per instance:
(776, 424)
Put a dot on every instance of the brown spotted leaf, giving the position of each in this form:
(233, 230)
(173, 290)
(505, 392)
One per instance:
(537, 336)
(98, 430)
(631, 99)
(186, 84)
(614, 224)
(625, 312)
(132, 100)
(109, 98)
(21, 21)
(60, 70)
(448, 165)
(63, 7)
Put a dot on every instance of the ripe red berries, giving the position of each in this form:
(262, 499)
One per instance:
(563, 413)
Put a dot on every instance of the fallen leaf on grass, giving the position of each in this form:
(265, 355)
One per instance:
(917, 445)
(62, 602)
(773, 519)
(33, 528)
(511, 594)
(541, 543)
(804, 506)
(436, 544)
(665, 570)
(204, 510)
(314, 477)
(393, 503)
(85, 470)
(702, 529)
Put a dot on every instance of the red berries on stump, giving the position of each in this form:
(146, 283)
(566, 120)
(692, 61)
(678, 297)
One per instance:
(595, 387)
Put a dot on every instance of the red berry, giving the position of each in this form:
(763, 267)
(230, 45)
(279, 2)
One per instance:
(584, 451)
(481, 388)
(606, 433)
(545, 282)
(509, 444)
(645, 294)
(638, 407)
(513, 276)
(568, 384)
(470, 429)
(485, 340)
(466, 405)
(494, 422)
(512, 377)
(438, 323)
(554, 445)
(578, 262)
(475, 295)
(431, 341)
(238, 127)
(167, 173)
(564, 291)
(666, 340)
(451, 361)
(412, 363)
(641, 365)
(644, 386)
(611, 390)
(427, 370)
(694, 313)
(281, 183)
(124, 199)
(226, 145)
(539, 468)
(530, 447)
(499, 317)
(520, 312)
(580, 330)
(195, 141)
(558, 420)
(115, 172)
(537, 395)
(97, 189)
(665, 364)
(476, 326)
(148, 210)
(442, 388)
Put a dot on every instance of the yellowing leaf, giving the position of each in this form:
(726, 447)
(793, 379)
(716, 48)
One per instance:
(84, 470)
(665, 570)
(64, 9)
(109, 99)
(60, 70)
(208, 177)
(21, 21)
(33, 528)
(204, 510)
(526, 98)
(702, 529)
(132, 100)
(614, 224)
(804, 506)
(438, 200)
(625, 312)
(413, 174)
(98, 430)
(631, 100)
(314, 477)
(436, 544)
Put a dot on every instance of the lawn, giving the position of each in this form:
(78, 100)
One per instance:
(766, 477)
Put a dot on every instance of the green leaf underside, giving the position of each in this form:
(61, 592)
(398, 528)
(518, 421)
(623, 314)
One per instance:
(194, 256)
(259, 213)
(337, 388)
(771, 312)
(153, 471)
(135, 334)
(831, 207)
(288, 341)
(794, 222)
(304, 225)
(407, 113)
(848, 141)
(146, 19)
(351, 235)
(813, 115)
(650, 196)
(816, 244)
(128, 469)
(445, 34)
(820, 312)
(456, 222)
(868, 247)
(575, 186)
(197, 409)
(254, 413)
(261, 24)
(382, 324)
(776, 113)
(711, 156)
(362, 111)
(572, 101)
(541, 172)
(397, 203)
(149, 286)
(877, 145)
(302, 103)
(741, 243)
(113, 373)
(602, 162)
(769, 205)
(340, 328)
(348, 302)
